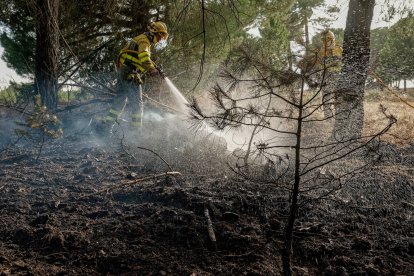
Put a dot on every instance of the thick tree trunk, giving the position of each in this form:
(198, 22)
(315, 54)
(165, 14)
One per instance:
(47, 51)
(351, 84)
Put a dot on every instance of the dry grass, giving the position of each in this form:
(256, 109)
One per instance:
(402, 133)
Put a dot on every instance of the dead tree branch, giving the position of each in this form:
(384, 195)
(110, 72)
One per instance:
(210, 228)
(156, 154)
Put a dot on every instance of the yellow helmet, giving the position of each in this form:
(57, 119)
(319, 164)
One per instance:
(328, 38)
(327, 35)
(159, 28)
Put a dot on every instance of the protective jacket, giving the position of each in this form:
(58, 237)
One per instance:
(326, 58)
(137, 54)
(330, 58)
(134, 60)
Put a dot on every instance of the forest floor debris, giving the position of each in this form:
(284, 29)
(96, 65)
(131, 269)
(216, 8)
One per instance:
(69, 213)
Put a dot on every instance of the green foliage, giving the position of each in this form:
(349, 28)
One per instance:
(16, 93)
(378, 39)
(300, 15)
(96, 23)
(202, 33)
(214, 30)
(394, 8)
(70, 96)
(225, 26)
(22, 93)
(397, 55)
(273, 45)
(8, 96)
(18, 36)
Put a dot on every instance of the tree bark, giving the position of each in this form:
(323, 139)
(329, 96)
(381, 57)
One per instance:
(306, 23)
(349, 105)
(290, 223)
(47, 51)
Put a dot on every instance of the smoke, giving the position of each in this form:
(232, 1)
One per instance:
(234, 139)
(173, 138)
(5, 133)
(255, 129)
(9, 121)
(165, 132)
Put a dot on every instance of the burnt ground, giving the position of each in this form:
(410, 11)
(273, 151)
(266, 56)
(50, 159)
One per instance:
(76, 210)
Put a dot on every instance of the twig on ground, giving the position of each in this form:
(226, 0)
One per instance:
(168, 165)
(123, 146)
(241, 255)
(135, 181)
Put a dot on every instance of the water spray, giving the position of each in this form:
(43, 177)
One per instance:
(183, 107)
(181, 100)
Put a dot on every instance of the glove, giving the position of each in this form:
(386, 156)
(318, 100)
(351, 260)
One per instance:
(154, 72)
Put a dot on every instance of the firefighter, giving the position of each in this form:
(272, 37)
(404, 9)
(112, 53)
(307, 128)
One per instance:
(329, 61)
(133, 61)
(324, 63)
(330, 54)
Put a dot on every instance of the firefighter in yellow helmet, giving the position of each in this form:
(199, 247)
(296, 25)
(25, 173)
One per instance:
(137, 54)
(133, 61)
(324, 63)
(330, 54)
(329, 61)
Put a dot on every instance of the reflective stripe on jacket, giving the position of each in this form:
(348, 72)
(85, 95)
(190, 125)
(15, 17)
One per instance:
(137, 54)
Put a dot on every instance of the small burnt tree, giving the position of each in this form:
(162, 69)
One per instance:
(289, 145)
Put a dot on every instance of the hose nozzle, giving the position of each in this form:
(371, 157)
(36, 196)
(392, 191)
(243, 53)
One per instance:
(160, 71)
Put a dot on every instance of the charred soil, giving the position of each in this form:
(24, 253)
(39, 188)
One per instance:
(82, 208)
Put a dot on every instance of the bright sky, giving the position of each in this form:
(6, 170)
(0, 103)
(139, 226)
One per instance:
(377, 21)
(7, 74)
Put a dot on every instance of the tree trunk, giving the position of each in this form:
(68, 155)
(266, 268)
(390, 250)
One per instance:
(349, 103)
(290, 223)
(290, 57)
(306, 23)
(47, 51)
(405, 85)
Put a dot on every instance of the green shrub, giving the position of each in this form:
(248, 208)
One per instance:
(69, 96)
(8, 96)
(16, 93)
